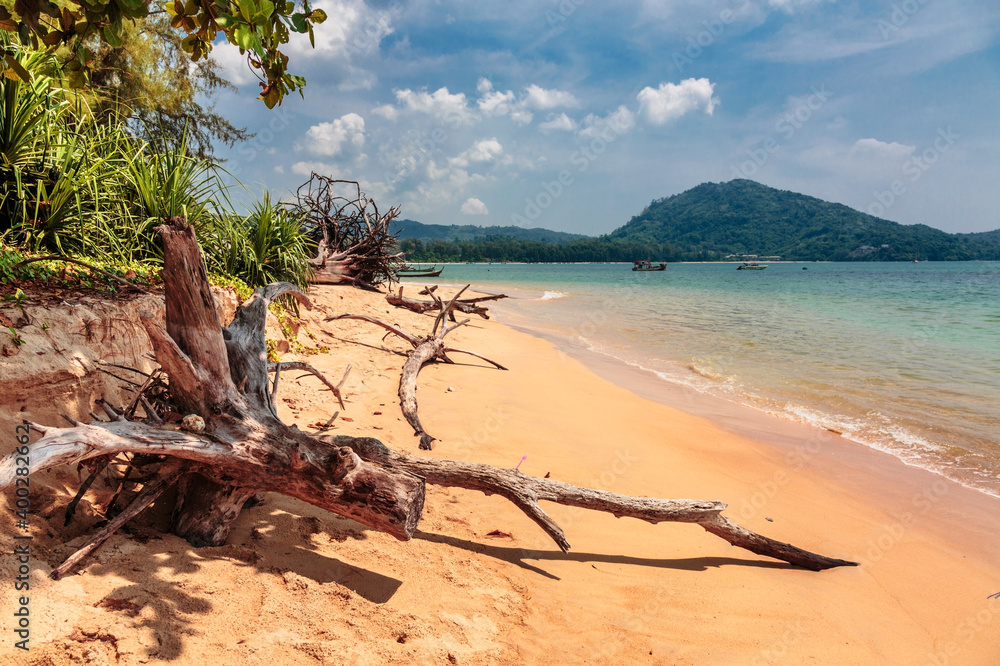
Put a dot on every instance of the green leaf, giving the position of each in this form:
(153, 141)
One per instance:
(317, 16)
(248, 8)
(135, 7)
(241, 35)
(225, 21)
(112, 34)
(299, 22)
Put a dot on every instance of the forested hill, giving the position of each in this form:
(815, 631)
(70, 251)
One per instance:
(745, 217)
(712, 222)
(468, 232)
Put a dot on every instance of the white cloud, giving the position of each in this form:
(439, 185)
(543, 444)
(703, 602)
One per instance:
(562, 122)
(485, 150)
(521, 117)
(503, 103)
(671, 101)
(496, 103)
(234, 66)
(353, 28)
(474, 206)
(329, 138)
(456, 109)
(619, 121)
(443, 105)
(536, 97)
(439, 194)
(881, 148)
(387, 111)
(322, 168)
(434, 173)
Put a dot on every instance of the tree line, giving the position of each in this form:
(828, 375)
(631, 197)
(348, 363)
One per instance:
(506, 248)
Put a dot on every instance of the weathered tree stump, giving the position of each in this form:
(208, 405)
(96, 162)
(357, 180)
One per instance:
(221, 374)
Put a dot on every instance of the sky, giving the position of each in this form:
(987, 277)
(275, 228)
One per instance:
(574, 115)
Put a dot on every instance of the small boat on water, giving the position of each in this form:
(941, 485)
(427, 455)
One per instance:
(419, 272)
(647, 266)
(751, 267)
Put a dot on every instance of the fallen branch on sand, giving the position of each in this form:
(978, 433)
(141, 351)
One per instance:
(276, 368)
(235, 446)
(465, 305)
(426, 349)
(525, 492)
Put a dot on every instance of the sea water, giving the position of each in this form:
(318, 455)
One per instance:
(901, 357)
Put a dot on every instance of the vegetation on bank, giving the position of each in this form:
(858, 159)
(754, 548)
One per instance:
(465, 232)
(78, 181)
(506, 248)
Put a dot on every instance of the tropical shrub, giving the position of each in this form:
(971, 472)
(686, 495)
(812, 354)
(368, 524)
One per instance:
(268, 245)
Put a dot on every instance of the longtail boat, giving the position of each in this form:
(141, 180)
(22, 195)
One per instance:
(647, 266)
(416, 272)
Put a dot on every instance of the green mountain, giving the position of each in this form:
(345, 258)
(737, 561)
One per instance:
(714, 220)
(468, 232)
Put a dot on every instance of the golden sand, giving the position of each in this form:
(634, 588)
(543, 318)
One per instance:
(297, 585)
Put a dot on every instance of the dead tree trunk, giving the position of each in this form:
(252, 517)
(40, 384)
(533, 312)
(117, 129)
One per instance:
(426, 349)
(221, 375)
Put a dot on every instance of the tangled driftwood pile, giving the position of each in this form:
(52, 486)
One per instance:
(353, 240)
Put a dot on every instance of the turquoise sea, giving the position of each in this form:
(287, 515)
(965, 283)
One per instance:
(901, 357)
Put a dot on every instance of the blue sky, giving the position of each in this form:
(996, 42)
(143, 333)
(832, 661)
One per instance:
(573, 115)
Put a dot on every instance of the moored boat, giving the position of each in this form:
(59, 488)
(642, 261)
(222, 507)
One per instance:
(751, 267)
(647, 266)
(417, 272)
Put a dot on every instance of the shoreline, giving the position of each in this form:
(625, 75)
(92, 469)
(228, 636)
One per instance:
(929, 548)
(739, 418)
(902, 487)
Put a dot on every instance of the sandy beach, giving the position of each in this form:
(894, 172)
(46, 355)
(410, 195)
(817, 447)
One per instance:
(303, 586)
